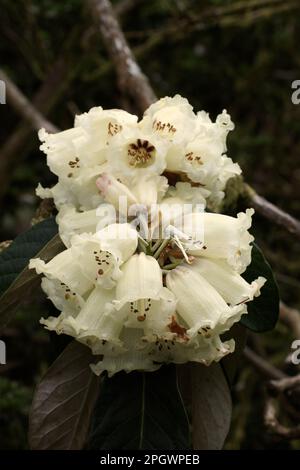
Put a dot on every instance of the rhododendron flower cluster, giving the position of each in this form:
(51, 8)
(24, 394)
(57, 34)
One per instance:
(146, 277)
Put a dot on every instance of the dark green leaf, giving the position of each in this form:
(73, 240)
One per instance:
(41, 241)
(231, 362)
(64, 402)
(263, 311)
(211, 407)
(141, 411)
(25, 246)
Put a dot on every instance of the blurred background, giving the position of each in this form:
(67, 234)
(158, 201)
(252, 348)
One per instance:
(238, 55)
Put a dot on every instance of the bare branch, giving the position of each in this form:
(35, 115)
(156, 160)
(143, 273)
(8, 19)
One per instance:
(131, 79)
(272, 212)
(267, 370)
(275, 427)
(46, 97)
(285, 384)
(23, 106)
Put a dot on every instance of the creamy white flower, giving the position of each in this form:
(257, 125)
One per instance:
(216, 180)
(93, 322)
(85, 145)
(140, 292)
(79, 190)
(171, 118)
(134, 153)
(91, 259)
(84, 188)
(204, 163)
(103, 125)
(196, 145)
(72, 222)
(100, 255)
(199, 304)
(65, 269)
(64, 151)
(98, 324)
(198, 349)
(131, 359)
(149, 355)
(229, 284)
(224, 237)
(67, 301)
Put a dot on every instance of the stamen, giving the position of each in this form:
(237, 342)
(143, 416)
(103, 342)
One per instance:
(193, 159)
(141, 153)
(113, 128)
(141, 307)
(104, 262)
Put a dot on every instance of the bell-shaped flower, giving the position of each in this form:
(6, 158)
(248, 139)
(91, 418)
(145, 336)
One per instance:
(103, 125)
(72, 222)
(229, 284)
(65, 269)
(203, 162)
(91, 259)
(93, 322)
(79, 190)
(62, 296)
(98, 324)
(141, 293)
(197, 349)
(129, 360)
(171, 118)
(84, 188)
(67, 302)
(134, 153)
(100, 255)
(199, 304)
(224, 237)
(149, 354)
(201, 157)
(63, 150)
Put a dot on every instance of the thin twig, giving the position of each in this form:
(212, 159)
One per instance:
(267, 370)
(23, 106)
(285, 384)
(46, 97)
(131, 79)
(272, 212)
(274, 426)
